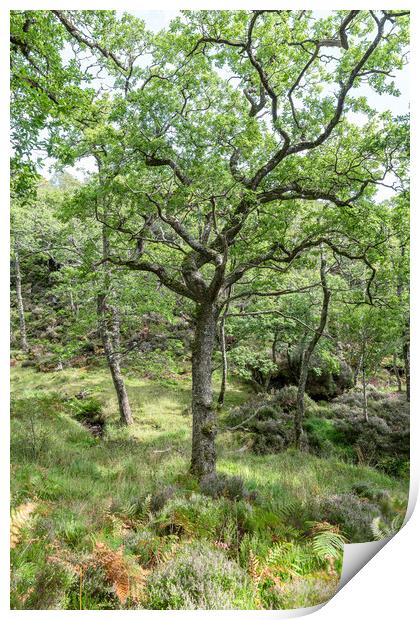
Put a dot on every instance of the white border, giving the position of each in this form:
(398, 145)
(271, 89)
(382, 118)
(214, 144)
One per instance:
(388, 584)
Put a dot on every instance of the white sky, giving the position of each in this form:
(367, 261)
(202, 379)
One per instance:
(158, 19)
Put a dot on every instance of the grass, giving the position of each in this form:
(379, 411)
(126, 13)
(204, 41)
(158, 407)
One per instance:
(87, 490)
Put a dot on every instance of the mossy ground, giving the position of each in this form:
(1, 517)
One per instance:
(75, 479)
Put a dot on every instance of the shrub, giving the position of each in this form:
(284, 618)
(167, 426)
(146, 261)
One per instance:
(382, 441)
(97, 593)
(220, 485)
(160, 498)
(196, 515)
(286, 398)
(271, 427)
(301, 592)
(327, 378)
(88, 411)
(51, 586)
(353, 514)
(200, 577)
(369, 491)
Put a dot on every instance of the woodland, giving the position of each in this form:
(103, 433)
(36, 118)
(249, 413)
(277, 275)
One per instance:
(210, 357)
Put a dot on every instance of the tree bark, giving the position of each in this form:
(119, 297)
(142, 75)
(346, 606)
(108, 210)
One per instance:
(113, 360)
(406, 356)
(222, 392)
(357, 371)
(203, 458)
(396, 372)
(110, 335)
(274, 346)
(364, 381)
(20, 307)
(306, 356)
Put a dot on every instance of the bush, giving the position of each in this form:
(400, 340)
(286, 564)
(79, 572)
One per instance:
(220, 485)
(369, 491)
(327, 378)
(50, 588)
(88, 411)
(196, 515)
(286, 399)
(159, 499)
(353, 514)
(381, 441)
(301, 592)
(271, 427)
(200, 577)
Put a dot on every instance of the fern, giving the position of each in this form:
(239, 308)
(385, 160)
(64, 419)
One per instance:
(254, 567)
(382, 530)
(18, 520)
(180, 523)
(146, 512)
(327, 541)
(293, 513)
(127, 578)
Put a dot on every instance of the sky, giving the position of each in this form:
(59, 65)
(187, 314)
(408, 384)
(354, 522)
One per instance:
(157, 20)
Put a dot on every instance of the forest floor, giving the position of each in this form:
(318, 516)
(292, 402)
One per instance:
(89, 511)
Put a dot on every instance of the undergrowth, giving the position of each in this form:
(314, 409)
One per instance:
(116, 522)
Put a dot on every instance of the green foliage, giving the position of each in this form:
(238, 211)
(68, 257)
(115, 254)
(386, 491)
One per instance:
(327, 542)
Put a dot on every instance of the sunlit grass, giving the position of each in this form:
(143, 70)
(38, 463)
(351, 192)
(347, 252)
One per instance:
(74, 477)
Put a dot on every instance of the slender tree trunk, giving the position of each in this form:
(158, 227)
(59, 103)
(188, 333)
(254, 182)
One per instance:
(203, 458)
(73, 307)
(406, 356)
(21, 312)
(357, 371)
(222, 392)
(274, 346)
(113, 360)
(307, 354)
(110, 335)
(364, 382)
(405, 334)
(300, 400)
(396, 372)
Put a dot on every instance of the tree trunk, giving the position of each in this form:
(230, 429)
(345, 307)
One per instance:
(406, 356)
(113, 359)
(306, 356)
(274, 346)
(222, 392)
(21, 311)
(357, 371)
(364, 382)
(203, 458)
(73, 306)
(300, 399)
(110, 334)
(396, 372)
(365, 409)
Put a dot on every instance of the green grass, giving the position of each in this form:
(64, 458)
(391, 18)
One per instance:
(77, 481)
